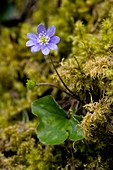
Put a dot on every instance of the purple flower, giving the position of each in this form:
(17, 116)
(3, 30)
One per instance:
(44, 40)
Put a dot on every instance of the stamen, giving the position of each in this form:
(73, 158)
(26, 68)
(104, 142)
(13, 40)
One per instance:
(43, 38)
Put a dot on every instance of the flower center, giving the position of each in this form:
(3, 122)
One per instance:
(43, 38)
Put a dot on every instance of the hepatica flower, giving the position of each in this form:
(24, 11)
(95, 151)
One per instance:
(44, 40)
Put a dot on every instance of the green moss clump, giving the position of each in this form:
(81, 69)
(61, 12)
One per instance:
(22, 150)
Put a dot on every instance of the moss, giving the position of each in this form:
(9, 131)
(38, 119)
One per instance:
(22, 150)
(96, 121)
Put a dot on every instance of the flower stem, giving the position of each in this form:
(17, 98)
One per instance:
(74, 95)
(53, 85)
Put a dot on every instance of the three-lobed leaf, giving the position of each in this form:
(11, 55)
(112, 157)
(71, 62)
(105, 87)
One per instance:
(54, 127)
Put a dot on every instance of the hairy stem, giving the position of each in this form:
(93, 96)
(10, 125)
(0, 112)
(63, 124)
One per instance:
(74, 95)
(53, 85)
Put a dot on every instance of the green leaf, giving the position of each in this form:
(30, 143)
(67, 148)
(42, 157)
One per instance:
(75, 130)
(54, 127)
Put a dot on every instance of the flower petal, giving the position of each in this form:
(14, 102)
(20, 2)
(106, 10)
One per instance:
(52, 46)
(30, 43)
(32, 36)
(35, 48)
(51, 30)
(45, 50)
(41, 28)
(55, 40)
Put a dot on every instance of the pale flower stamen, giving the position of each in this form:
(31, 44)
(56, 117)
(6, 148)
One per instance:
(43, 38)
